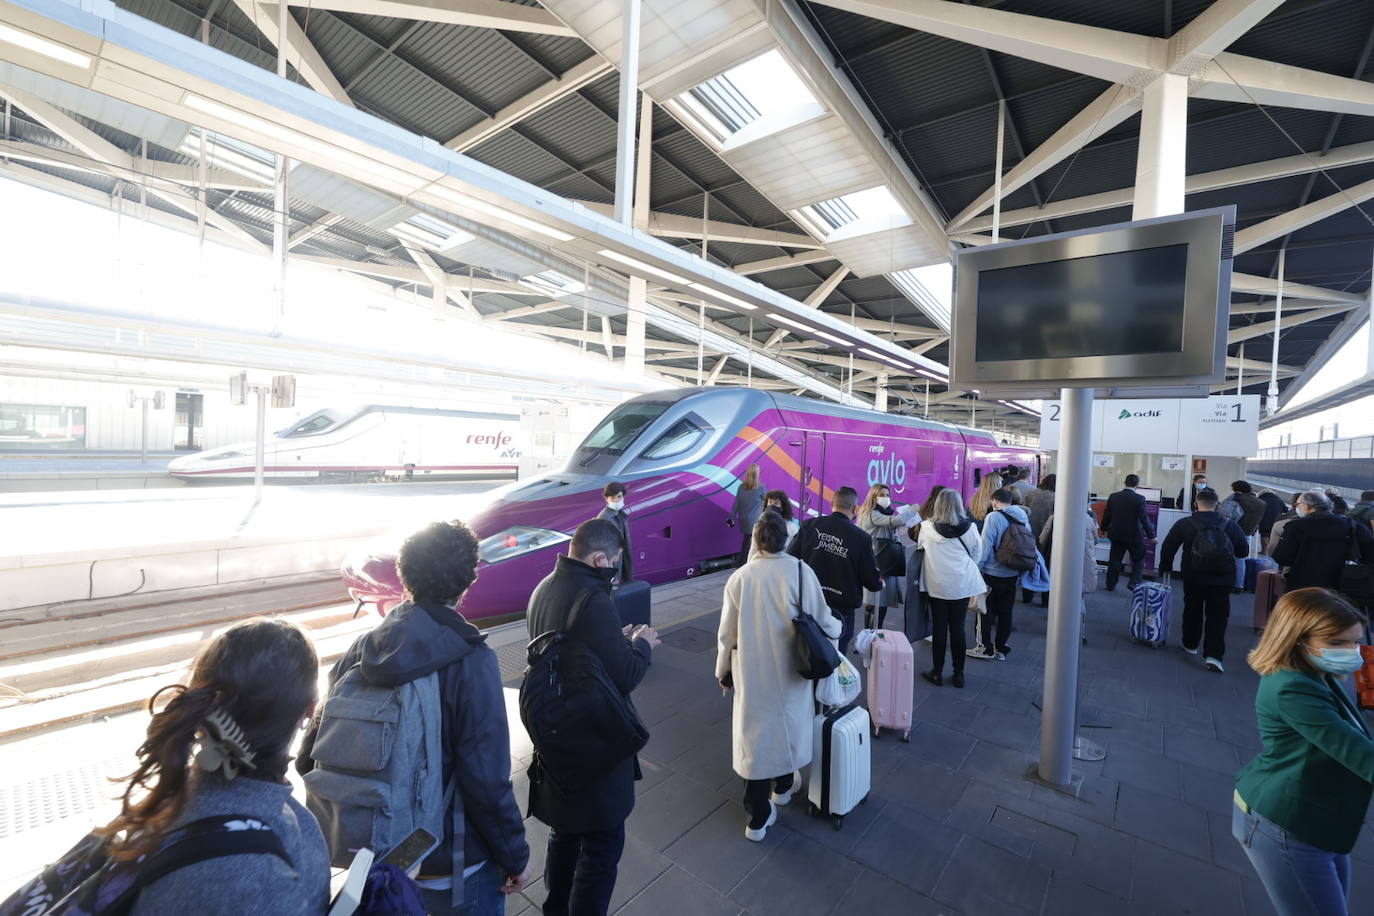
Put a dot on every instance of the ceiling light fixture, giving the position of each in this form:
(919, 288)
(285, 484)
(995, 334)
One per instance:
(501, 213)
(738, 303)
(640, 266)
(807, 329)
(45, 47)
(342, 160)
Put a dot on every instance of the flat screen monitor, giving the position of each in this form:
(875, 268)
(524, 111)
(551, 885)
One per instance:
(1136, 303)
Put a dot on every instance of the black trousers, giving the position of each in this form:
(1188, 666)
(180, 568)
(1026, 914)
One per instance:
(846, 628)
(947, 627)
(1115, 560)
(1000, 601)
(868, 616)
(756, 792)
(1206, 608)
(580, 871)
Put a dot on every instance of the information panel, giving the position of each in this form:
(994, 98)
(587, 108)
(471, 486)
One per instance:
(1222, 425)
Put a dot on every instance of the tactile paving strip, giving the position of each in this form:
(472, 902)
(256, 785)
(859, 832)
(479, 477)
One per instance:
(56, 796)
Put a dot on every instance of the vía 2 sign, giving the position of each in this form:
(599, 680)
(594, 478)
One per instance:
(1222, 426)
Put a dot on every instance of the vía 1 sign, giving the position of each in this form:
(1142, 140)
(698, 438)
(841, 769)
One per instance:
(1221, 425)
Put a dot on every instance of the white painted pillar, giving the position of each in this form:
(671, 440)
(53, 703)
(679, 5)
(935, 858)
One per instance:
(1159, 168)
(280, 221)
(1369, 326)
(880, 398)
(1272, 401)
(625, 125)
(997, 179)
(639, 287)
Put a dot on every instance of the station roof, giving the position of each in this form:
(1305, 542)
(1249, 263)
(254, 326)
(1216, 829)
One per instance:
(911, 92)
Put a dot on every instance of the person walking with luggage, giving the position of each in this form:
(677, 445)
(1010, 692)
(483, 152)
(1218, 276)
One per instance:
(1128, 527)
(981, 503)
(840, 553)
(881, 522)
(215, 754)
(1008, 551)
(469, 872)
(1210, 545)
(614, 493)
(587, 827)
(757, 658)
(1314, 546)
(744, 512)
(1300, 804)
(949, 577)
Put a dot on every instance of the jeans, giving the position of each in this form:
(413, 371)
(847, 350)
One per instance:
(1001, 599)
(947, 625)
(1206, 609)
(1301, 879)
(481, 895)
(756, 797)
(1115, 561)
(846, 628)
(580, 870)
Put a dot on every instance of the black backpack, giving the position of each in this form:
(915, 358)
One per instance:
(1210, 552)
(1017, 548)
(580, 724)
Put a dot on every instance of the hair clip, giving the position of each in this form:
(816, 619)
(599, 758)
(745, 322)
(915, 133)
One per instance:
(223, 746)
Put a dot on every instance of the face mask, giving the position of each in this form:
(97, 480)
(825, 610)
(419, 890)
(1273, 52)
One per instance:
(1202, 485)
(884, 501)
(616, 504)
(1337, 661)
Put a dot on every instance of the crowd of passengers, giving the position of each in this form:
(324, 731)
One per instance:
(218, 747)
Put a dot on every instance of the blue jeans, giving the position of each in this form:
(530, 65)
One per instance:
(580, 871)
(1301, 879)
(846, 628)
(481, 895)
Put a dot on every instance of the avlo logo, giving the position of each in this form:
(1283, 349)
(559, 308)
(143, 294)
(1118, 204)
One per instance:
(1126, 414)
(889, 471)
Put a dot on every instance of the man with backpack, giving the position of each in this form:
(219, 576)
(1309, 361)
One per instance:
(586, 818)
(840, 553)
(414, 735)
(1211, 544)
(1008, 550)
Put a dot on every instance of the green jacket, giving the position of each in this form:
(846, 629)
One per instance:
(1315, 775)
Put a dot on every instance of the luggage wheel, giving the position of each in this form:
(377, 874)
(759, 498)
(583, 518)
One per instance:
(837, 821)
(864, 800)
(906, 737)
(812, 810)
(877, 733)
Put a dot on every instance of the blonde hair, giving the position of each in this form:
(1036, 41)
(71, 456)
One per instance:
(871, 499)
(1300, 615)
(981, 503)
(751, 478)
(949, 508)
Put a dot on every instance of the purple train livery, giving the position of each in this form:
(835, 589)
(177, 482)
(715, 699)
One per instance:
(682, 454)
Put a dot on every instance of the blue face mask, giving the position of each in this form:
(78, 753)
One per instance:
(1336, 661)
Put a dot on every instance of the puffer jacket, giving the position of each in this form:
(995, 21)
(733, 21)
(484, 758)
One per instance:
(950, 570)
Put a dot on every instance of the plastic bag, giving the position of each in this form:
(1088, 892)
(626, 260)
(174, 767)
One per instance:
(841, 688)
(979, 603)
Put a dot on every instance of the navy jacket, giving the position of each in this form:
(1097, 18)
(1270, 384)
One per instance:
(1314, 549)
(1125, 519)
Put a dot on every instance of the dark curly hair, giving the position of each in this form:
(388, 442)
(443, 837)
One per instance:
(438, 563)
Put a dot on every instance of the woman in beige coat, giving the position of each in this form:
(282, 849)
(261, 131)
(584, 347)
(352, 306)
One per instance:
(757, 657)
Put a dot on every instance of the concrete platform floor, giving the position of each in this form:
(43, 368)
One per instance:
(952, 825)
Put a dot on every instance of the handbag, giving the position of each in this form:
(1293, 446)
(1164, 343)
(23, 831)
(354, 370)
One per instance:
(890, 558)
(840, 687)
(1357, 577)
(816, 654)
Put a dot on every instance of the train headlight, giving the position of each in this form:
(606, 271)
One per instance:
(518, 541)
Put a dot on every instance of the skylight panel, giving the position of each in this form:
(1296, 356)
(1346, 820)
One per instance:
(862, 212)
(554, 284)
(231, 155)
(761, 89)
(930, 289)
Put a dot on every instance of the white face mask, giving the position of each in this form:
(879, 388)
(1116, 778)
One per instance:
(617, 504)
(884, 501)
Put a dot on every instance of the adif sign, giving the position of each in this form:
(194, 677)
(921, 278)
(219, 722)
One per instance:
(1223, 426)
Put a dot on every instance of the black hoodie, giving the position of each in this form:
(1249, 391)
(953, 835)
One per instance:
(1181, 536)
(954, 531)
(412, 642)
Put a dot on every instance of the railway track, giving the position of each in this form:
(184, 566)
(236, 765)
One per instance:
(62, 663)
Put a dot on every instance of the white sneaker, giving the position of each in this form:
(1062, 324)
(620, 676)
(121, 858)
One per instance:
(785, 797)
(981, 651)
(1214, 665)
(929, 639)
(757, 835)
(1192, 651)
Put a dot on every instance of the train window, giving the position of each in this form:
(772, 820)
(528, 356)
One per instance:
(621, 427)
(318, 422)
(680, 437)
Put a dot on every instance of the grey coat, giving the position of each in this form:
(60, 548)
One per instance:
(233, 885)
(747, 507)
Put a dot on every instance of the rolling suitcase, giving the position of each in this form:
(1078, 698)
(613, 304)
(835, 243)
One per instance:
(1364, 679)
(1269, 588)
(840, 763)
(891, 682)
(1152, 610)
(632, 602)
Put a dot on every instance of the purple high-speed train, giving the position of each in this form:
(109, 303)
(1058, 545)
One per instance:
(681, 454)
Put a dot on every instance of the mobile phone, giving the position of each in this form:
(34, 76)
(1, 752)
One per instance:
(410, 852)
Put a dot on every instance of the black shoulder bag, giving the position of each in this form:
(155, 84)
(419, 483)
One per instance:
(1357, 576)
(816, 656)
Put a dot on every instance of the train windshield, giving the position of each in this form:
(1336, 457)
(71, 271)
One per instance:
(321, 421)
(620, 428)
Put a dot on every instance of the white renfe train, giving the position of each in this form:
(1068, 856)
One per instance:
(372, 442)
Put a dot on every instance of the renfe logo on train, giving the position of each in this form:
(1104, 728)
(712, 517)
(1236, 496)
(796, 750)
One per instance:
(495, 440)
(889, 471)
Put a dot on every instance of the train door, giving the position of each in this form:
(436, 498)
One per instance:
(812, 501)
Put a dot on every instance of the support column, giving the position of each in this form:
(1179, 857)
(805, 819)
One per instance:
(625, 124)
(639, 287)
(1369, 325)
(880, 398)
(1273, 392)
(280, 219)
(1159, 165)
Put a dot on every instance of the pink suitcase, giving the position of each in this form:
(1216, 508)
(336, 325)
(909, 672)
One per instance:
(891, 682)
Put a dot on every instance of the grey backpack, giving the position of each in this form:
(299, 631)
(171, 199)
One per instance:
(379, 763)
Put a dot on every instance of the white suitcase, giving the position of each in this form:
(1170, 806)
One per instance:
(840, 763)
